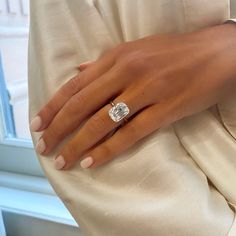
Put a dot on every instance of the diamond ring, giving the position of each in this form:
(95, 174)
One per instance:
(118, 111)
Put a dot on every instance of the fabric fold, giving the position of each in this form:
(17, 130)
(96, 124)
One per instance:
(184, 171)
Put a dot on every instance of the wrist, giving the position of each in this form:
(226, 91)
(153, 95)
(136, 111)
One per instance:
(220, 45)
(229, 36)
(227, 32)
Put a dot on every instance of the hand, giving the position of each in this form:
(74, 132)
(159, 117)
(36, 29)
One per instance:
(162, 78)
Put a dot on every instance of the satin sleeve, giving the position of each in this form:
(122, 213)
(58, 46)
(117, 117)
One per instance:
(227, 107)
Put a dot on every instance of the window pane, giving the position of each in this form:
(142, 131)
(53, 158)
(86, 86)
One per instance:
(233, 8)
(14, 24)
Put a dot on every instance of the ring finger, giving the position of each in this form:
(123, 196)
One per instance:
(96, 128)
(78, 108)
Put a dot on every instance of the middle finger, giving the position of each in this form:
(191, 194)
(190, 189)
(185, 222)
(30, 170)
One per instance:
(79, 107)
(97, 127)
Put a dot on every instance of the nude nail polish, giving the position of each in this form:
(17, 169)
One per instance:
(36, 123)
(59, 162)
(40, 146)
(88, 161)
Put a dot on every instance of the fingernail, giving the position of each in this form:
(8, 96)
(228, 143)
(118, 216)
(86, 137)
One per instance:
(59, 162)
(88, 161)
(40, 146)
(36, 123)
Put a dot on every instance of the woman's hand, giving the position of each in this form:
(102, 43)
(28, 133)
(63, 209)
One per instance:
(162, 78)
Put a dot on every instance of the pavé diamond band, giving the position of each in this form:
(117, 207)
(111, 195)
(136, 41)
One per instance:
(118, 111)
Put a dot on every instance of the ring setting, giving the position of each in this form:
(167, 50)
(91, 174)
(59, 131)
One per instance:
(118, 111)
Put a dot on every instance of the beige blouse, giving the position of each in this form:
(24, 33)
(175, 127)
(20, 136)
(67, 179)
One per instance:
(180, 180)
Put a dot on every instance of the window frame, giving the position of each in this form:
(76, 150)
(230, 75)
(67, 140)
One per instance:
(14, 150)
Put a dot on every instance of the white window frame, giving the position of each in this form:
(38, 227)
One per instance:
(21, 175)
(14, 150)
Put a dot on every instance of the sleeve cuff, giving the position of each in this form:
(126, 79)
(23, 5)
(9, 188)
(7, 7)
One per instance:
(227, 107)
(230, 21)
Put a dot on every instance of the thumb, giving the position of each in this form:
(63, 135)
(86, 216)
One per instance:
(84, 65)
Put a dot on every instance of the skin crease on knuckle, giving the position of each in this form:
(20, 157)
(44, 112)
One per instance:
(48, 135)
(70, 155)
(97, 125)
(72, 86)
(48, 111)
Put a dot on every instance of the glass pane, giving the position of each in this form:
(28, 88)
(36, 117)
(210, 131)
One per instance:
(14, 23)
(233, 8)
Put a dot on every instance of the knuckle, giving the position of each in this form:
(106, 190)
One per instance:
(132, 133)
(105, 152)
(121, 49)
(71, 152)
(52, 133)
(48, 109)
(46, 112)
(135, 63)
(78, 100)
(72, 86)
(97, 124)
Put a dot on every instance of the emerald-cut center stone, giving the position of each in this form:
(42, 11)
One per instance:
(119, 111)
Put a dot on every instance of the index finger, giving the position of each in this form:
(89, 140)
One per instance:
(44, 117)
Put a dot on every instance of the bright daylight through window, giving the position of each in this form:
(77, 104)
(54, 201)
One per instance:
(14, 23)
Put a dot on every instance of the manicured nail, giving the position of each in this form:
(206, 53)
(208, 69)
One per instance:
(40, 146)
(88, 161)
(59, 162)
(36, 123)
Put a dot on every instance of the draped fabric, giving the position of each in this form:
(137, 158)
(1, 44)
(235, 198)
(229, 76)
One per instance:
(179, 180)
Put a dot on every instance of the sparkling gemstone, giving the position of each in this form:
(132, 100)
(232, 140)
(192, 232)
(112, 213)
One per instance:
(119, 111)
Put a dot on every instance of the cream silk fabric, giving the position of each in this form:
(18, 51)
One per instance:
(180, 180)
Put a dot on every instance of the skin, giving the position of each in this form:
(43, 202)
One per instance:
(162, 79)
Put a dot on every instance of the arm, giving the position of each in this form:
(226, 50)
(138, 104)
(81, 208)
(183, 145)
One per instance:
(162, 78)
